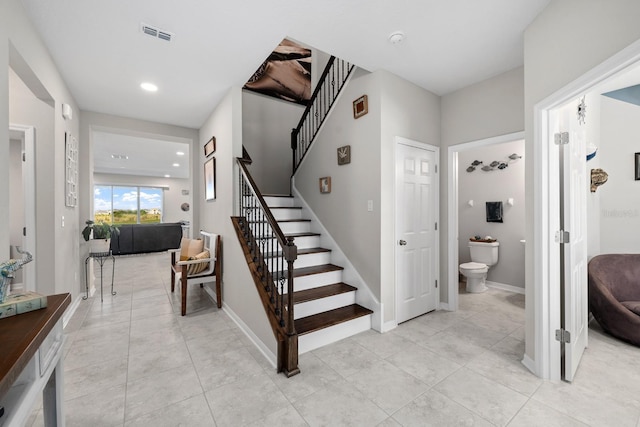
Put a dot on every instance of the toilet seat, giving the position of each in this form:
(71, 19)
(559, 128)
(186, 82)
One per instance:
(473, 266)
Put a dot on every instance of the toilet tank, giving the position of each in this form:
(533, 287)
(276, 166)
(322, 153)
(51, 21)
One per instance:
(486, 253)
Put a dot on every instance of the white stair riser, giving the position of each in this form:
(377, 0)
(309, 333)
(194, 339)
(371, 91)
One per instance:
(295, 227)
(306, 242)
(324, 304)
(278, 201)
(314, 280)
(308, 342)
(310, 260)
(280, 214)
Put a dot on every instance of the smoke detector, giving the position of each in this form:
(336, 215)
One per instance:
(156, 32)
(396, 37)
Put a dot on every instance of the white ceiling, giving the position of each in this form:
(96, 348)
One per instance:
(103, 56)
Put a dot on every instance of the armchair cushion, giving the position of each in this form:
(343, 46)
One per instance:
(634, 306)
(200, 266)
(190, 248)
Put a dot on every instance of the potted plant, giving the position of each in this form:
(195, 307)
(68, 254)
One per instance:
(100, 235)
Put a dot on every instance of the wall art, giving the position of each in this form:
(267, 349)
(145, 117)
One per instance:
(344, 155)
(71, 170)
(325, 184)
(210, 147)
(210, 179)
(360, 107)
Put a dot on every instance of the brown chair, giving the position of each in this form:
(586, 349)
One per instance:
(203, 266)
(614, 294)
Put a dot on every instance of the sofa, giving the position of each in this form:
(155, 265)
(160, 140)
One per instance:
(614, 294)
(146, 238)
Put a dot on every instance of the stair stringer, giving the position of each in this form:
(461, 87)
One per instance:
(350, 275)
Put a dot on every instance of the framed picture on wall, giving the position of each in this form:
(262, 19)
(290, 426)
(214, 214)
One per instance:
(325, 184)
(360, 107)
(71, 170)
(637, 157)
(210, 179)
(210, 147)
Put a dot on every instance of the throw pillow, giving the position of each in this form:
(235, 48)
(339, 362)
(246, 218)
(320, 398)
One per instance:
(190, 247)
(200, 266)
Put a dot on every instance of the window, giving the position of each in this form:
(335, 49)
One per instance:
(127, 205)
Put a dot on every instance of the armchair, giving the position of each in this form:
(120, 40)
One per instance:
(200, 261)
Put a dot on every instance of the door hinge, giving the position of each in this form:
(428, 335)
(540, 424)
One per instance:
(24, 231)
(24, 156)
(436, 283)
(561, 138)
(563, 336)
(562, 237)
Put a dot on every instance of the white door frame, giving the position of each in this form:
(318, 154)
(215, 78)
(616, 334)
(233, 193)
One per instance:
(546, 268)
(29, 185)
(424, 146)
(452, 161)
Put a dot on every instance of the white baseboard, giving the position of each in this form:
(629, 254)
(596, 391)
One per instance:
(444, 306)
(504, 287)
(388, 326)
(68, 314)
(529, 364)
(268, 354)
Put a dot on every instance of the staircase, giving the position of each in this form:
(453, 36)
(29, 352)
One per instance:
(325, 308)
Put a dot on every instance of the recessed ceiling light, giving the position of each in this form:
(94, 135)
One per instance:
(180, 153)
(396, 37)
(176, 165)
(167, 176)
(149, 87)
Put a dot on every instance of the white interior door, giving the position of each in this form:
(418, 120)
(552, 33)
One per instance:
(416, 229)
(574, 297)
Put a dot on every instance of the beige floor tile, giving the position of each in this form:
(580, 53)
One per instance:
(339, 404)
(154, 360)
(489, 399)
(437, 410)
(453, 347)
(93, 378)
(245, 401)
(383, 345)
(102, 408)
(506, 371)
(347, 357)
(192, 412)
(158, 391)
(424, 364)
(286, 417)
(388, 386)
(534, 413)
(227, 368)
(315, 375)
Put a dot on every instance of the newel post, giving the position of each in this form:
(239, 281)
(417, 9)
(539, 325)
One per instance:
(291, 339)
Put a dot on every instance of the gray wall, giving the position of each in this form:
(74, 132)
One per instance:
(487, 109)
(493, 186)
(266, 134)
(240, 297)
(578, 35)
(396, 108)
(35, 94)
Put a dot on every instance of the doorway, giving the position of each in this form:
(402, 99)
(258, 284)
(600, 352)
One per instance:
(22, 194)
(547, 268)
(453, 202)
(416, 255)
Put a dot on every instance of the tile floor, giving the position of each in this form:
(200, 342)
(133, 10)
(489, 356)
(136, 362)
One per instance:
(134, 361)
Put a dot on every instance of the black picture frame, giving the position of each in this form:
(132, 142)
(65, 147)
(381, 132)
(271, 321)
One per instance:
(210, 147)
(210, 179)
(637, 169)
(494, 211)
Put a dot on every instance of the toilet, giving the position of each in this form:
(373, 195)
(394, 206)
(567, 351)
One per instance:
(483, 256)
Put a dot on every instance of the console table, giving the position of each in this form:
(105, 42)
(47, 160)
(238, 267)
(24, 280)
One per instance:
(101, 257)
(31, 363)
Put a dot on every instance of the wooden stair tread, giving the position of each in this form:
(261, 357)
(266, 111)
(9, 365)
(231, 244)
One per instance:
(293, 220)
(329, 318)
(307, 251)
(284, 196)
(285, 207)
(307, 234)
(322, 292)
(316, 269)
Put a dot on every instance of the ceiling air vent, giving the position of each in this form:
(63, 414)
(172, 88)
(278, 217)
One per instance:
(156, 32)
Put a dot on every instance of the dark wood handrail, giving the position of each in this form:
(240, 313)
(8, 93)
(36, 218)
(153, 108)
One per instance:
(267, 212)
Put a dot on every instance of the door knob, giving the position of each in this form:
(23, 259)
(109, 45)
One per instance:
(402, 242)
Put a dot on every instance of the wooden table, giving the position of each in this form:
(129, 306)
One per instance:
(31, 362)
